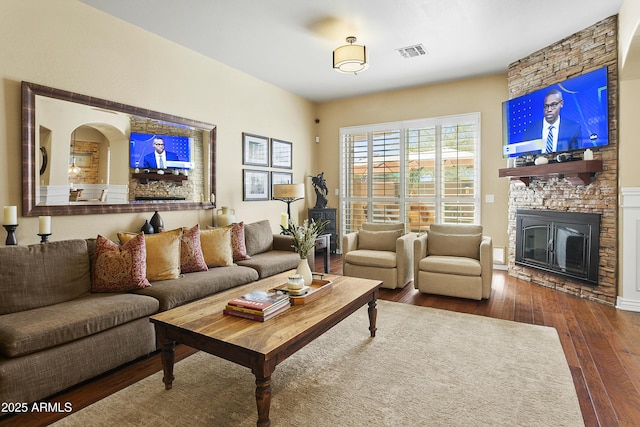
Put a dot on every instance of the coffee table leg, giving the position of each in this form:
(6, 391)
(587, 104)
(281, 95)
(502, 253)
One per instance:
(167, 356)
(373, 314)
(263, 400)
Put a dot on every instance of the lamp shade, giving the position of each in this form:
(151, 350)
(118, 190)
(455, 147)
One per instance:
(288, 191)
(350, 58)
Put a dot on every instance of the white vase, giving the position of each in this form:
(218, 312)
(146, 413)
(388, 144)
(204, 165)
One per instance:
(305, 271)
(226, 216)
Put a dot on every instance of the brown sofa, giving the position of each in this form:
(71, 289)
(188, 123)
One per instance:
(55, 333)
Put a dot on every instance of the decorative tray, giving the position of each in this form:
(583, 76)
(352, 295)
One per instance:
(317, 288)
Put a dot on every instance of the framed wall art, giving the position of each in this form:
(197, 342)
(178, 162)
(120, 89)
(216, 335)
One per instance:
(281, 154)
(255, 185)
(255, 150)
(280, 178)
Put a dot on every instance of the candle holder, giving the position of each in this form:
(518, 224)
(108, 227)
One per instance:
(44, 238)
(12, 240)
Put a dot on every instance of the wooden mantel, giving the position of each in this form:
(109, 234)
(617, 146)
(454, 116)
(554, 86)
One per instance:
(144, 178)
(577, 172)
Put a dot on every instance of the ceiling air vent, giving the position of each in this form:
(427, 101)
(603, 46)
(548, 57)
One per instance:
(412, 51)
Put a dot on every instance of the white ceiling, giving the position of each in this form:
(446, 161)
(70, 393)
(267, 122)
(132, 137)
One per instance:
(289, 43)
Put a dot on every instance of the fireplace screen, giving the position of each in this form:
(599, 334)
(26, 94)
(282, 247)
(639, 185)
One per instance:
(559, 242)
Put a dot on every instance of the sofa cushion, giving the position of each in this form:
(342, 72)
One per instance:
(369, 258)
(40, 275)
(258, 237)
(216, 246)
(163, 253)
(119, 268)
(238, 244)
(378, 240)
(45, 327)
(193, 286)
(191, 257)
(461, 245)
(272, 262)
(460, 266)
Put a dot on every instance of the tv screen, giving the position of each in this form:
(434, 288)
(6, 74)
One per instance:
(576, 108)
(142, 148)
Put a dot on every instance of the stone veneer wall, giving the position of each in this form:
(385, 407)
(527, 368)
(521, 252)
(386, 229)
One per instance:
(587, 50)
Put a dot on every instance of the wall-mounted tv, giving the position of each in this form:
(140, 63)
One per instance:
(143, 147)
(577, 109)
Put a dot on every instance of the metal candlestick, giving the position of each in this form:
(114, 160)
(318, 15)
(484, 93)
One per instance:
(12, 240)
(44, 238)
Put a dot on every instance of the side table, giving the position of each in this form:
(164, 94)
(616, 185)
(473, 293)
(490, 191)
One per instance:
(323, 242)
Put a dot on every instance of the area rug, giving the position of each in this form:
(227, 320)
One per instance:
(425, 367)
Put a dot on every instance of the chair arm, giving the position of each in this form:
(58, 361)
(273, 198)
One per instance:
(419, 252)
(283, 242)
(404, 258)
(349, 243)
(486, 265)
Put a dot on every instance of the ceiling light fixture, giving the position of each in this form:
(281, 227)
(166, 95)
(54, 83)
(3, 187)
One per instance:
(350, 58)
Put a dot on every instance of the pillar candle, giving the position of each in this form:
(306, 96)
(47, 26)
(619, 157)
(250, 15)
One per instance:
(284, 220)
(45, 224)
(11, 215)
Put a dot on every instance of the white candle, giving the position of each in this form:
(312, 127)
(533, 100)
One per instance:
(45, 224)
(212, 199)
(11, 215)
(284, 220)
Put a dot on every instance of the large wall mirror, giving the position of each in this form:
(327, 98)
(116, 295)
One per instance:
(85, 155)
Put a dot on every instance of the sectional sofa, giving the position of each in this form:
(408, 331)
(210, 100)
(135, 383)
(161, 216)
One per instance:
(58, 329)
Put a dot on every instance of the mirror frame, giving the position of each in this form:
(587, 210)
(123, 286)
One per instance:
(29, 152)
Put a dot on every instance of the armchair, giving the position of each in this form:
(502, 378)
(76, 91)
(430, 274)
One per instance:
(454, 260)
(379, 252)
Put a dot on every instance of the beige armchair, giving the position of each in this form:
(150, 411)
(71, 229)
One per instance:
(380, 252)
(454, 260)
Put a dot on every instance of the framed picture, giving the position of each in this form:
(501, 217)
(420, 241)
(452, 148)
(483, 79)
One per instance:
(255, 185)
(281, 154)
(255, 150)
(280, 178)
(83, 160)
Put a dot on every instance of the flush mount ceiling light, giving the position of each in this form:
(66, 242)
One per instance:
(350, 58)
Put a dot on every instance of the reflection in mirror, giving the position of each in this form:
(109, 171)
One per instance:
(93, 156)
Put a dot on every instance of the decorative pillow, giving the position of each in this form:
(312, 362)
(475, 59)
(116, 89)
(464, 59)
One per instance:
(120, 268)
(191, 257)
(462, 245)
(258, 237)
(163, 253)
(216, 246)
(378, 240)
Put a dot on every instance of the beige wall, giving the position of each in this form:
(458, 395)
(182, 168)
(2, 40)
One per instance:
(484, 95)
(69, 45)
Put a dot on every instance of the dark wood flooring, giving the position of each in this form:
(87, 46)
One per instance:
(601, 344)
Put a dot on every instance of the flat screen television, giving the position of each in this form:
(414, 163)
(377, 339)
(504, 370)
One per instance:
(581, 103)
(179, 151)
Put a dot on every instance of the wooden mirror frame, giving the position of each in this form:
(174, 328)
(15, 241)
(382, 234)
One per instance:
(30, 206)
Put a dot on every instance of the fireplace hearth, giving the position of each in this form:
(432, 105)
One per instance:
(563, 243)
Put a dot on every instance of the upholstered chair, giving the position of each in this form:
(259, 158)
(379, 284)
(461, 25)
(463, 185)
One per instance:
(380, 252)
(454, 260)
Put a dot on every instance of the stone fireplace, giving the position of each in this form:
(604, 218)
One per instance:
(584, 51)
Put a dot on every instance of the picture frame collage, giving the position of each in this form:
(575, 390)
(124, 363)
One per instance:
(264, 152)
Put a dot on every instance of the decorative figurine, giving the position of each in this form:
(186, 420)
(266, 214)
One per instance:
(320, 187)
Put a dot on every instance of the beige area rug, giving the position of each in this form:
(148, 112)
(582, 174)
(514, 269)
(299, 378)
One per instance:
(425, 367)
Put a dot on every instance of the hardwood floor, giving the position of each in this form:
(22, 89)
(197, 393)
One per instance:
(601, 344)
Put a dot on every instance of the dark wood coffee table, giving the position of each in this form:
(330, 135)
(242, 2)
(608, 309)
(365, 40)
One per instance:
(260, 346)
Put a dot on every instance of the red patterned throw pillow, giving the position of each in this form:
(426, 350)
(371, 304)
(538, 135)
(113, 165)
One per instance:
(120, 268)
(191, 257)
(237, 242)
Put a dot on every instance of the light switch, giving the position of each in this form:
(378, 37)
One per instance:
(488, 198)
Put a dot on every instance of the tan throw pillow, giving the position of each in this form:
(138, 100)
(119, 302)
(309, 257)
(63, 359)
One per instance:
(258, 237)
(163, 253)
(378, 240)
(120, 268)
(216, 246)
(191, 257)
(462, 245)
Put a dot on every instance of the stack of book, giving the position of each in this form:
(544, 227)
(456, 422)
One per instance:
(258, 305)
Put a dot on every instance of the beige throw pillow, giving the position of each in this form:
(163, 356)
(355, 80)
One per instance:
(378, 240)
(163, 253)
(216, 246)
(462, 245)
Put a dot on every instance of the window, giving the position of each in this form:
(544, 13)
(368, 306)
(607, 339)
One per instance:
(417, 172)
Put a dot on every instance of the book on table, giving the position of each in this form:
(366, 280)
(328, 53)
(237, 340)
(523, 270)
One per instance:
(259, 317)
(258, 305)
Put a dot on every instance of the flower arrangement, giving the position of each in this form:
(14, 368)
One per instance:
(305, 235)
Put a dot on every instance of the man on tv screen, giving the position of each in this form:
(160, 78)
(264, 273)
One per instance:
(158, 159)
(557, 134)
